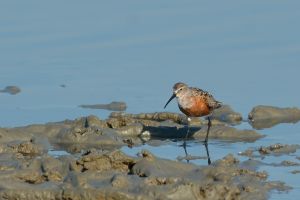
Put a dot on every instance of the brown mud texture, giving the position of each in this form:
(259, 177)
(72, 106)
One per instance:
(96, 168)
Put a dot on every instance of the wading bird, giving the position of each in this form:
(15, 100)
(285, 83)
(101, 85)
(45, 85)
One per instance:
(194, 102)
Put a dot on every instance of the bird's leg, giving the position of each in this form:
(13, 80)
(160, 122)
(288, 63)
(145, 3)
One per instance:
(208, 128)
(207, 153)
(187, 132)
(186, 136)
(185, 139)
(186, 153)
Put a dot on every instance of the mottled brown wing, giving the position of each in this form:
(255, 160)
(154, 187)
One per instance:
(212, 103)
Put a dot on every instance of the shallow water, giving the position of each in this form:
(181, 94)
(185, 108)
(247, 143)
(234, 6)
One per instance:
(285, 134)
(245, 53)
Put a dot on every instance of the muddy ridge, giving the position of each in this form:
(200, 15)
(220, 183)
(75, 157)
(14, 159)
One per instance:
(96, 168)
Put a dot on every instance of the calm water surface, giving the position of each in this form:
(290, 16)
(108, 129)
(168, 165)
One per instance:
(245, 53)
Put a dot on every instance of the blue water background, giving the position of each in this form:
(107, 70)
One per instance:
(246, 53)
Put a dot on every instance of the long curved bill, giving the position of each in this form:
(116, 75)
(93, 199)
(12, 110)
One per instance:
(172, 97)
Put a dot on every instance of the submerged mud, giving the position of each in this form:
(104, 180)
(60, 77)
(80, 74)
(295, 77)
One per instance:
(267, 116)
(97, 169)
(272, 150)
(257, 156)
(11, 90)
(114, 106)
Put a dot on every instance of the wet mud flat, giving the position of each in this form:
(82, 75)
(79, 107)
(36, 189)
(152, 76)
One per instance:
(96, 168)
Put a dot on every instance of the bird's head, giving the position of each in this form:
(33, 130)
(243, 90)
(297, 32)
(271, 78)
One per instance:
(177, 88)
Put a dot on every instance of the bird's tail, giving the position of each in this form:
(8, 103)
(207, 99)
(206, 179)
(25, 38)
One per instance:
(218, 104)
